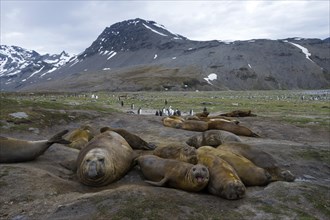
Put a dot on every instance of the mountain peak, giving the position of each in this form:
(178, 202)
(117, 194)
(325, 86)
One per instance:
(131, 35)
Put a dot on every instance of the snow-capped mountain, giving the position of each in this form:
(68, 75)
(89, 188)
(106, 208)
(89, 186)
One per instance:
(144, 55)
(19, 66)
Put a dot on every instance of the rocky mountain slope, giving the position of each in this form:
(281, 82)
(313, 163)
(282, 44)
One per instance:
(19, 66)
(138, 55)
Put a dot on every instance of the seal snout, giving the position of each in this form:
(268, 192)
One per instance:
(201, 174)
(95, 168)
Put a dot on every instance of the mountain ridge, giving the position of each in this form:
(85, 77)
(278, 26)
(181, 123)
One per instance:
(138, 55)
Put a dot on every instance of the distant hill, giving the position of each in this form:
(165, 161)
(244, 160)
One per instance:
(136, 55)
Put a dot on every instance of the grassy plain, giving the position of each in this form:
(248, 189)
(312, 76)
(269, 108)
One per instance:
(302, 108)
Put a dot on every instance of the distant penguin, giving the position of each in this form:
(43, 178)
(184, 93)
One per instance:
(165, 112)
(205, 109)
(191, 112)
(157, 113)
(160, 113)
(122, 103)
(132, 106)
(178, 112)
(165, 101)
(139, 111)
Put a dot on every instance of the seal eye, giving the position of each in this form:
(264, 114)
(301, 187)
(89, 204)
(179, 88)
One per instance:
(101, 160)
(194, 169)
(88, 160)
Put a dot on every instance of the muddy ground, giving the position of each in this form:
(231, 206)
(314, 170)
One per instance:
(43, 189)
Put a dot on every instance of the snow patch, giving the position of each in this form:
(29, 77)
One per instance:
(154, 30)
(155, 56)
(304, 50)
(210, 78)
(107, 68)
(249, 66)
(112, 54)
(173, 58)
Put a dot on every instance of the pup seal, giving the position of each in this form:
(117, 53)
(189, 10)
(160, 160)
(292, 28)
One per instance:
(79, 137)
(181, 152)
(212, 138)
(261, 159)
(133, 140)
(174, 173)
(105, 159)
(248, 172)
(230, 126)
(224, 181)
(14, 150)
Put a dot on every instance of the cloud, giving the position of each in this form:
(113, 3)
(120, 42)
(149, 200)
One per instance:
(53, 26)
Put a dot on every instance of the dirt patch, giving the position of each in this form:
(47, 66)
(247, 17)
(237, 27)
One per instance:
(43, 189)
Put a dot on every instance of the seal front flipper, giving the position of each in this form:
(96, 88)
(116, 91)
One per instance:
(160, 183)
(58, 138)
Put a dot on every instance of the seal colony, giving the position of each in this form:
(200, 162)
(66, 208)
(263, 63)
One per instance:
(215, 160)
(204, 123)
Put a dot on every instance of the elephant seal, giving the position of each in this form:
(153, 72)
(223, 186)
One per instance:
(173, 121)
(15, 150)
(173, 173)
(239, 113)
(260, 159)
(181, 152)
(224, 181)
(248, 172)
(79, 137)
(212, 138)
(133, 140)
(105, 159)
(230, 126)
(194, 125)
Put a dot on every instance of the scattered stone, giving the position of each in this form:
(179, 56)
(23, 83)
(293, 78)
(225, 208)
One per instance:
(34, 130)
(19, 115)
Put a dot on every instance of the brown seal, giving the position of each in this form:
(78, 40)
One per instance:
(105, 159)
(133, 140)
(212, 138)
(248, 172)
(194, 125)
(239, 113)
(15, 150)
(173, 173)
(79, 137)
(181, 152)
(173, 121)
(230, 126)
(261, 159)
(224, 181)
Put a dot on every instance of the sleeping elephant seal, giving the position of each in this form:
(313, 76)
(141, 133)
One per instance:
(133, 140)
(105, 159)
(79, 137)
(173, 173)
(212, 138)
(248, 172)
(173, 121)
(224, 181)
(181, 152)
(261, 159)
(194, 125)
(14, 150)
(230, 126)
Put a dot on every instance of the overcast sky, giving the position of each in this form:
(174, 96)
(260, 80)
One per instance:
(53, 26)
